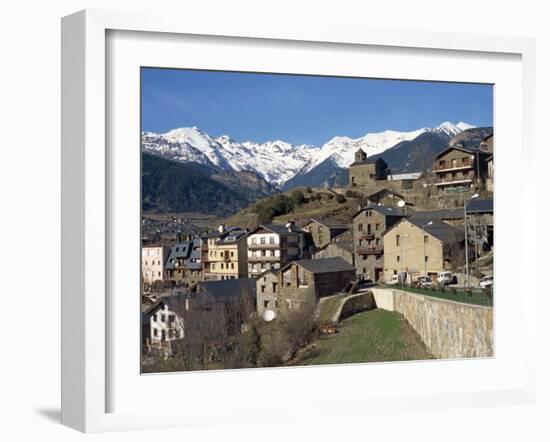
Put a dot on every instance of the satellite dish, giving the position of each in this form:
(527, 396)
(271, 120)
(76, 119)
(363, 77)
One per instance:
(400, 203)
(269, 315)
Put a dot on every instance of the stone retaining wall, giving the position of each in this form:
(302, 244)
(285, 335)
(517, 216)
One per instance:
(449, 329)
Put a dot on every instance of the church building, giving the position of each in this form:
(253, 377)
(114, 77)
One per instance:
(364, 171)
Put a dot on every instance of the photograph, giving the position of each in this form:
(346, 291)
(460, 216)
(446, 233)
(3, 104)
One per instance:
(302, 220)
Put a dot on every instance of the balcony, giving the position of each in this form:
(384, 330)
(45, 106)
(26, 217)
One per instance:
(451, 168)
(263, 246)
(263, 258)
(367, 236)
(455, 182)
(370, 250)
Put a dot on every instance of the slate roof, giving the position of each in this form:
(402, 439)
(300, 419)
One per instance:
(232, 237)
(324, 265)
(480, 206)
(462, 149)
(175, 303)
(331, 224)
(280, 229)
(191, 263)
(344, 240)
(438, 229)
(384, 210)
(367, 161)
(228, 289)
(454, 213)
(385, 190)
(179, 250)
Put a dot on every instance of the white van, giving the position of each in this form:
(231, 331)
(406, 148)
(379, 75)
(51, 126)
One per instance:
(444, 278)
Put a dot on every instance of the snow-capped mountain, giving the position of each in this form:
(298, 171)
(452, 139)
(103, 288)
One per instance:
(279, 162)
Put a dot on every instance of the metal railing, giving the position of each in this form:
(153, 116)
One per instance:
(476, 296)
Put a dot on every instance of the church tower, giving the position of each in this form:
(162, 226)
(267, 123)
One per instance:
(360, 156)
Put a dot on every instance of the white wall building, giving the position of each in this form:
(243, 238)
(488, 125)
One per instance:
(272, 246)
(153, 260)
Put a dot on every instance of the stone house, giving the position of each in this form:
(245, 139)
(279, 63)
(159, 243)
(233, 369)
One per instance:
(386, 197)
(228, 304)
(184, 262)
(267, 287)
(365, 171)
(272, 246)
(369, 225)
(324, 231)
(153, 260)
(480, 223)
(226, 254)
(487, 145)
(460, 169)
(307, 280)
(340, 246)
(421, 247)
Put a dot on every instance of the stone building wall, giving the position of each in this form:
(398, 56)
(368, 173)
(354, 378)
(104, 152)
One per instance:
(449, 329)
(332, 250)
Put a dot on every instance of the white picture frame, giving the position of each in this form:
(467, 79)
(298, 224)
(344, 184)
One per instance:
(86, 214)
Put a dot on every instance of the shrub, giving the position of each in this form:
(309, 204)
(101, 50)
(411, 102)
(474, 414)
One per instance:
(297, 197)
(341, 198)
(330, 196)
(309, 190)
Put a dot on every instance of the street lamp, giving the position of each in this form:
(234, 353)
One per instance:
(424, 242)
(474, 196)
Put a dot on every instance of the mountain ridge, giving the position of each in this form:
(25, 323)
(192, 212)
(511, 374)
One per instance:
(283, 164)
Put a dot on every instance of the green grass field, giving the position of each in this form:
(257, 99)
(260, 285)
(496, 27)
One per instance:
(373, 336)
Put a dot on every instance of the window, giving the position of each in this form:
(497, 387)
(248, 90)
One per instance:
(274, 286)
(398, 258)
(425, 238)
(163, 318)
(360, 227)
(425, 259)
(271, 240)
(145, 262)
(262, 240)
(155, 317)
(155, 332)
(397, 240)
(158, 273)
(232, 265)
(253, 241)
(377, 226)
(266, 304)
(263, 288)
(171, 318)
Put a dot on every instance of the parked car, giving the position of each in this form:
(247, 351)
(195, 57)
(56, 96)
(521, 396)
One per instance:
(486, 282)
(444, 278)
(424, 281)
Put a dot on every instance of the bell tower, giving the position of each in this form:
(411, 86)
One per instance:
(360, 156)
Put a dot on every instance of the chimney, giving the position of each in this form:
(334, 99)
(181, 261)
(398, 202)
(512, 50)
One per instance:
(189, 237)
(483, 146)
(221, 228)
(290, 225)
(179, 237)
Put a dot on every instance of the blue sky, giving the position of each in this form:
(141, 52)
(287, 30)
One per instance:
(303, 109)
